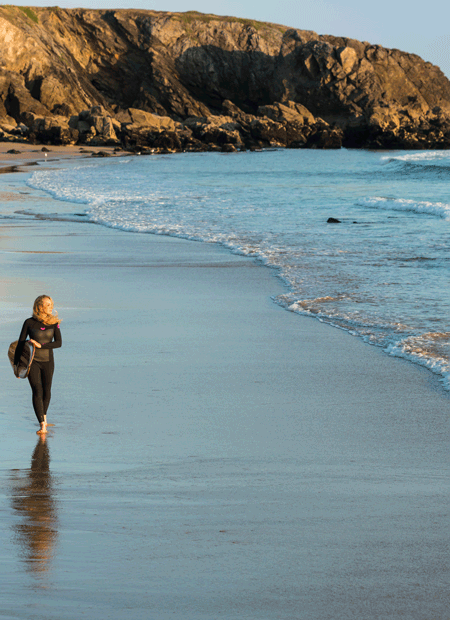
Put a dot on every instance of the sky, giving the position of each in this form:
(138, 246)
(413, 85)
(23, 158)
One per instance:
(421, 28)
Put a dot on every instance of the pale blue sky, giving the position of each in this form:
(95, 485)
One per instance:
(421, 28)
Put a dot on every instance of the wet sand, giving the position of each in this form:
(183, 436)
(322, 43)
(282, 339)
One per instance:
(213, 455)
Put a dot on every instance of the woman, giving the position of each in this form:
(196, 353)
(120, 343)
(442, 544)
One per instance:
(43, 331)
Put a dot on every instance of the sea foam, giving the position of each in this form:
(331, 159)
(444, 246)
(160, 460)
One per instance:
(438, 209)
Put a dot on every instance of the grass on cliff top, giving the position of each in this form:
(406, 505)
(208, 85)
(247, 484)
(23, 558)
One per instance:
(28, 11)
(189, 17)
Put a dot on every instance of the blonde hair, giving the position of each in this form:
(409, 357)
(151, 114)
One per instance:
(40, 315)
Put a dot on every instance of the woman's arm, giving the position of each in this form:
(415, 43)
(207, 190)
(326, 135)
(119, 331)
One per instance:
(57, 340)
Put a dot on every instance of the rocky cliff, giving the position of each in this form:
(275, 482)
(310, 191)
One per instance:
(192, 81)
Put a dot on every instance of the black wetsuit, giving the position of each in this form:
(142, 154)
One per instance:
(41, 371)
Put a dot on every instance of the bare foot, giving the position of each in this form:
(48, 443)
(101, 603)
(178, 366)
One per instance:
(43, 429)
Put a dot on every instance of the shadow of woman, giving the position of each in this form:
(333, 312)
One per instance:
(33, 499)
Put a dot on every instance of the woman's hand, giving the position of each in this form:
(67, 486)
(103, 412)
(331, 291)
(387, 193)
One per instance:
(36, 344)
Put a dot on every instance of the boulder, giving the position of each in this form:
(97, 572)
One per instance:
(140, 118)
(95, 126)
(267, 132)
(54, 130)
(20, 130)
(108, 131)
(348, 58)
(83, 127)
(220, 136)
(167, 141)
(228, 148)
(325, 138)
(218, 130)
(7, 128)
(287, 113)
(233, 111)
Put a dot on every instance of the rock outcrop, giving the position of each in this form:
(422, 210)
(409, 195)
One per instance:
(187, 81)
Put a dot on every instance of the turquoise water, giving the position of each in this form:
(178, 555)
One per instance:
(381, 274)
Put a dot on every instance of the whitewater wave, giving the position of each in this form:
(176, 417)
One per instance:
(420, 156)
(69, 185)
(431, 349)
(437, 209)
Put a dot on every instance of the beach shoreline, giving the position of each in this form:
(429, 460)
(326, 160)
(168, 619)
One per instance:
(26, 154)
(220, 454)
(32, 155)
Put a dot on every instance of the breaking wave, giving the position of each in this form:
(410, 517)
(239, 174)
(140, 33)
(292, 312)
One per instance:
(437, 209)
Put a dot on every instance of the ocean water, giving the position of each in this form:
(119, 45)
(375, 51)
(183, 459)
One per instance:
(382, 273)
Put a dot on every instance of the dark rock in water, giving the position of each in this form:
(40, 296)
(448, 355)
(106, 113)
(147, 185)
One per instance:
(101, 154)
(333, 220)
(14, 152)
(228, 148)
(187, 81)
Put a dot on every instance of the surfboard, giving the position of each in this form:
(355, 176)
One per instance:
(23, 367)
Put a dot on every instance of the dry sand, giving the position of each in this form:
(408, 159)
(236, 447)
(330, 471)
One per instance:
(30, 153)
(213, 456)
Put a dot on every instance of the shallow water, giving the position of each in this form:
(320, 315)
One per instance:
(382, 273)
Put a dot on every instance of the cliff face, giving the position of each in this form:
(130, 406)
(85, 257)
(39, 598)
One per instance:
(57, 62)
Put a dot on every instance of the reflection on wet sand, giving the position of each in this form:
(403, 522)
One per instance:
(33, 499)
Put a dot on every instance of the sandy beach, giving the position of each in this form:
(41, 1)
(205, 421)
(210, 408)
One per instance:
(212, 455)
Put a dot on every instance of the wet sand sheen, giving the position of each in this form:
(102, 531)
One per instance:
(212, 454)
